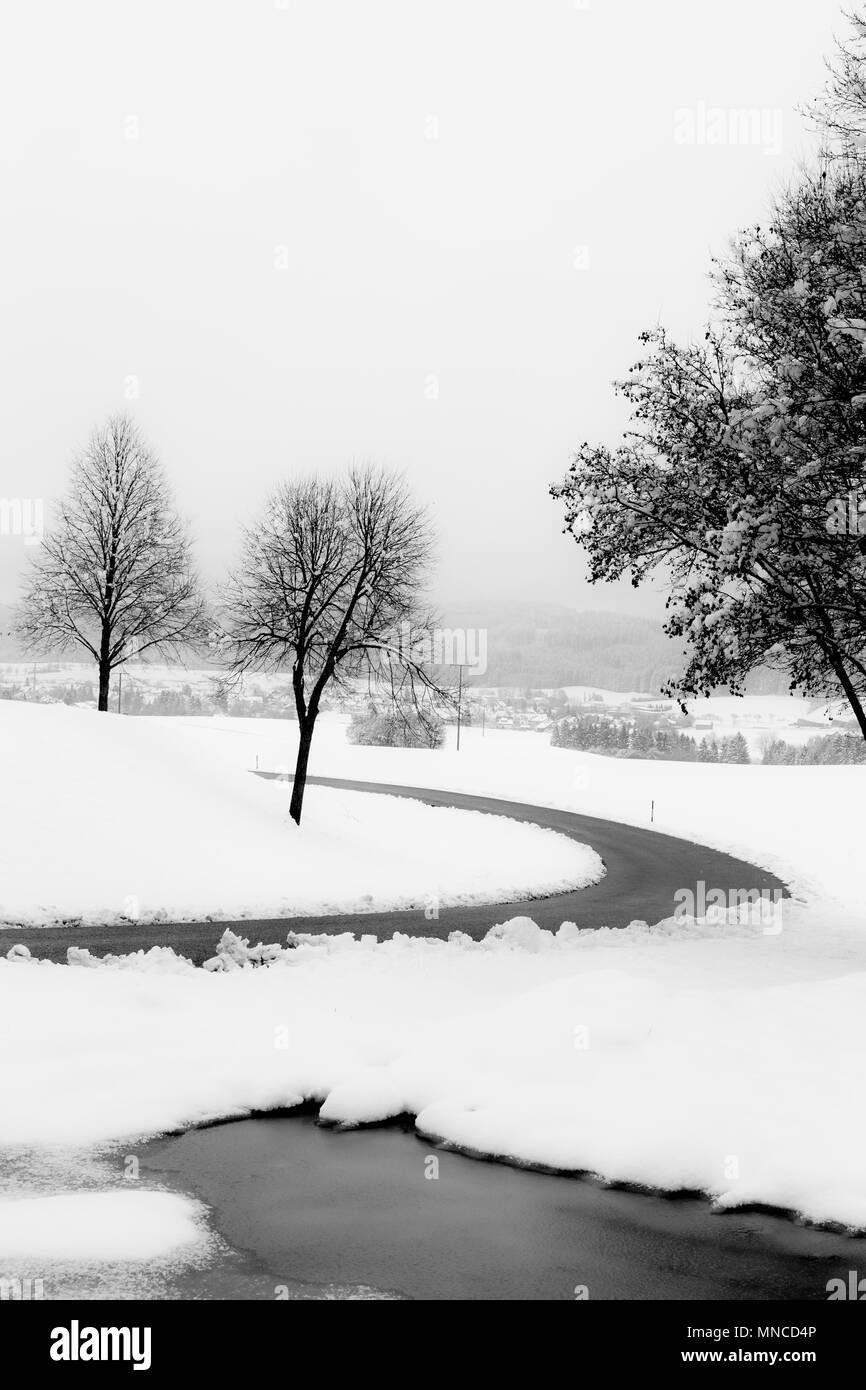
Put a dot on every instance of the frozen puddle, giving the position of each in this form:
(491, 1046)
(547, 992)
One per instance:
(311, 1212)
(279, 1207)
(128, 1244)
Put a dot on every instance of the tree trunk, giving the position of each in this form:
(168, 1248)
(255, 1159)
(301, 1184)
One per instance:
(848, 686)
(104, 680)
(104, 664)
(305, 739)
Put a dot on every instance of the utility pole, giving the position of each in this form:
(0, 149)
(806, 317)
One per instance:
(459, 700)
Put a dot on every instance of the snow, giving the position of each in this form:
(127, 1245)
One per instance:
(763, 718)
(668, 1059)
(759, 718)
(802, 823)
(97, 1226)
(105, 819)
(714, 1055)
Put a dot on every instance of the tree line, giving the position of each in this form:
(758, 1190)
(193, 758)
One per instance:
(624, 738)
(329, 582)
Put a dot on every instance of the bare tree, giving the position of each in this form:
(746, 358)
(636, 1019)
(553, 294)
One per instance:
(329, 584)
(114, 574)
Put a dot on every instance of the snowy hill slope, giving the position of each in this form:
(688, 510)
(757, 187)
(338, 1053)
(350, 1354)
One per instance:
(104, 818)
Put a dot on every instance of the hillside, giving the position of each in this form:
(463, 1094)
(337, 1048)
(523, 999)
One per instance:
(544, 645)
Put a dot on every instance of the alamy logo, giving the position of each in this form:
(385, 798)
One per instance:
(846, 516)
(442, 646)
(21, 1290)
(76, 1343)
(763, 905)
(852, 1288)
(22, 516)
(719, 125)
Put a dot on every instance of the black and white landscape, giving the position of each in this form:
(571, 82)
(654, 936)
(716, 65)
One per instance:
(433, 655)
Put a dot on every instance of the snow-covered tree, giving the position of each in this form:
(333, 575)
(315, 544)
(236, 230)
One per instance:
(708, 751)
(840, 111)
(392, 727)
(744, 469)
(734, 749)
(114, 572)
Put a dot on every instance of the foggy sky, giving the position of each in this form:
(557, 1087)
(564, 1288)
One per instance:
(427, 234)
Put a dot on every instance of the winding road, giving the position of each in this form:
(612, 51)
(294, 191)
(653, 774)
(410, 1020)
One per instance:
(644, 871)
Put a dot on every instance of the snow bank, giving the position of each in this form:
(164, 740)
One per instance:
(669, 1057)
(105, 819)
(98, 1226)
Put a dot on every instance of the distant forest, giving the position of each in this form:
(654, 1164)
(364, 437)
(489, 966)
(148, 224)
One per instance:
(541, 646)
(623, 738)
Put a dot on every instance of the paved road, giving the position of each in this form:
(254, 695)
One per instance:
(644, 871)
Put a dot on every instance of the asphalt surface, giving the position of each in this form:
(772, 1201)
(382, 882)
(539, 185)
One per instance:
(341, 1214)
(644, 871)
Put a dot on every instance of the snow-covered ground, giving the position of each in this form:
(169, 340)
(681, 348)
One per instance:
(763, 718)
(800, 822)
(47, 673)
(713, 1055)
(97, 1226)
(654, 1059)
(104, 818)
(759, 718)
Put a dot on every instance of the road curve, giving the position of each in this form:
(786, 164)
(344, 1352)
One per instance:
(644, 871)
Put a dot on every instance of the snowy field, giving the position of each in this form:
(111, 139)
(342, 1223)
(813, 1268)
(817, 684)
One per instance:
(800, 822)
(106, 818)
(712, 1055)
(153, 674)
(759, 718)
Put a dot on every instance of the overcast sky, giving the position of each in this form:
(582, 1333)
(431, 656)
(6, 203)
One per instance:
(316, 230)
